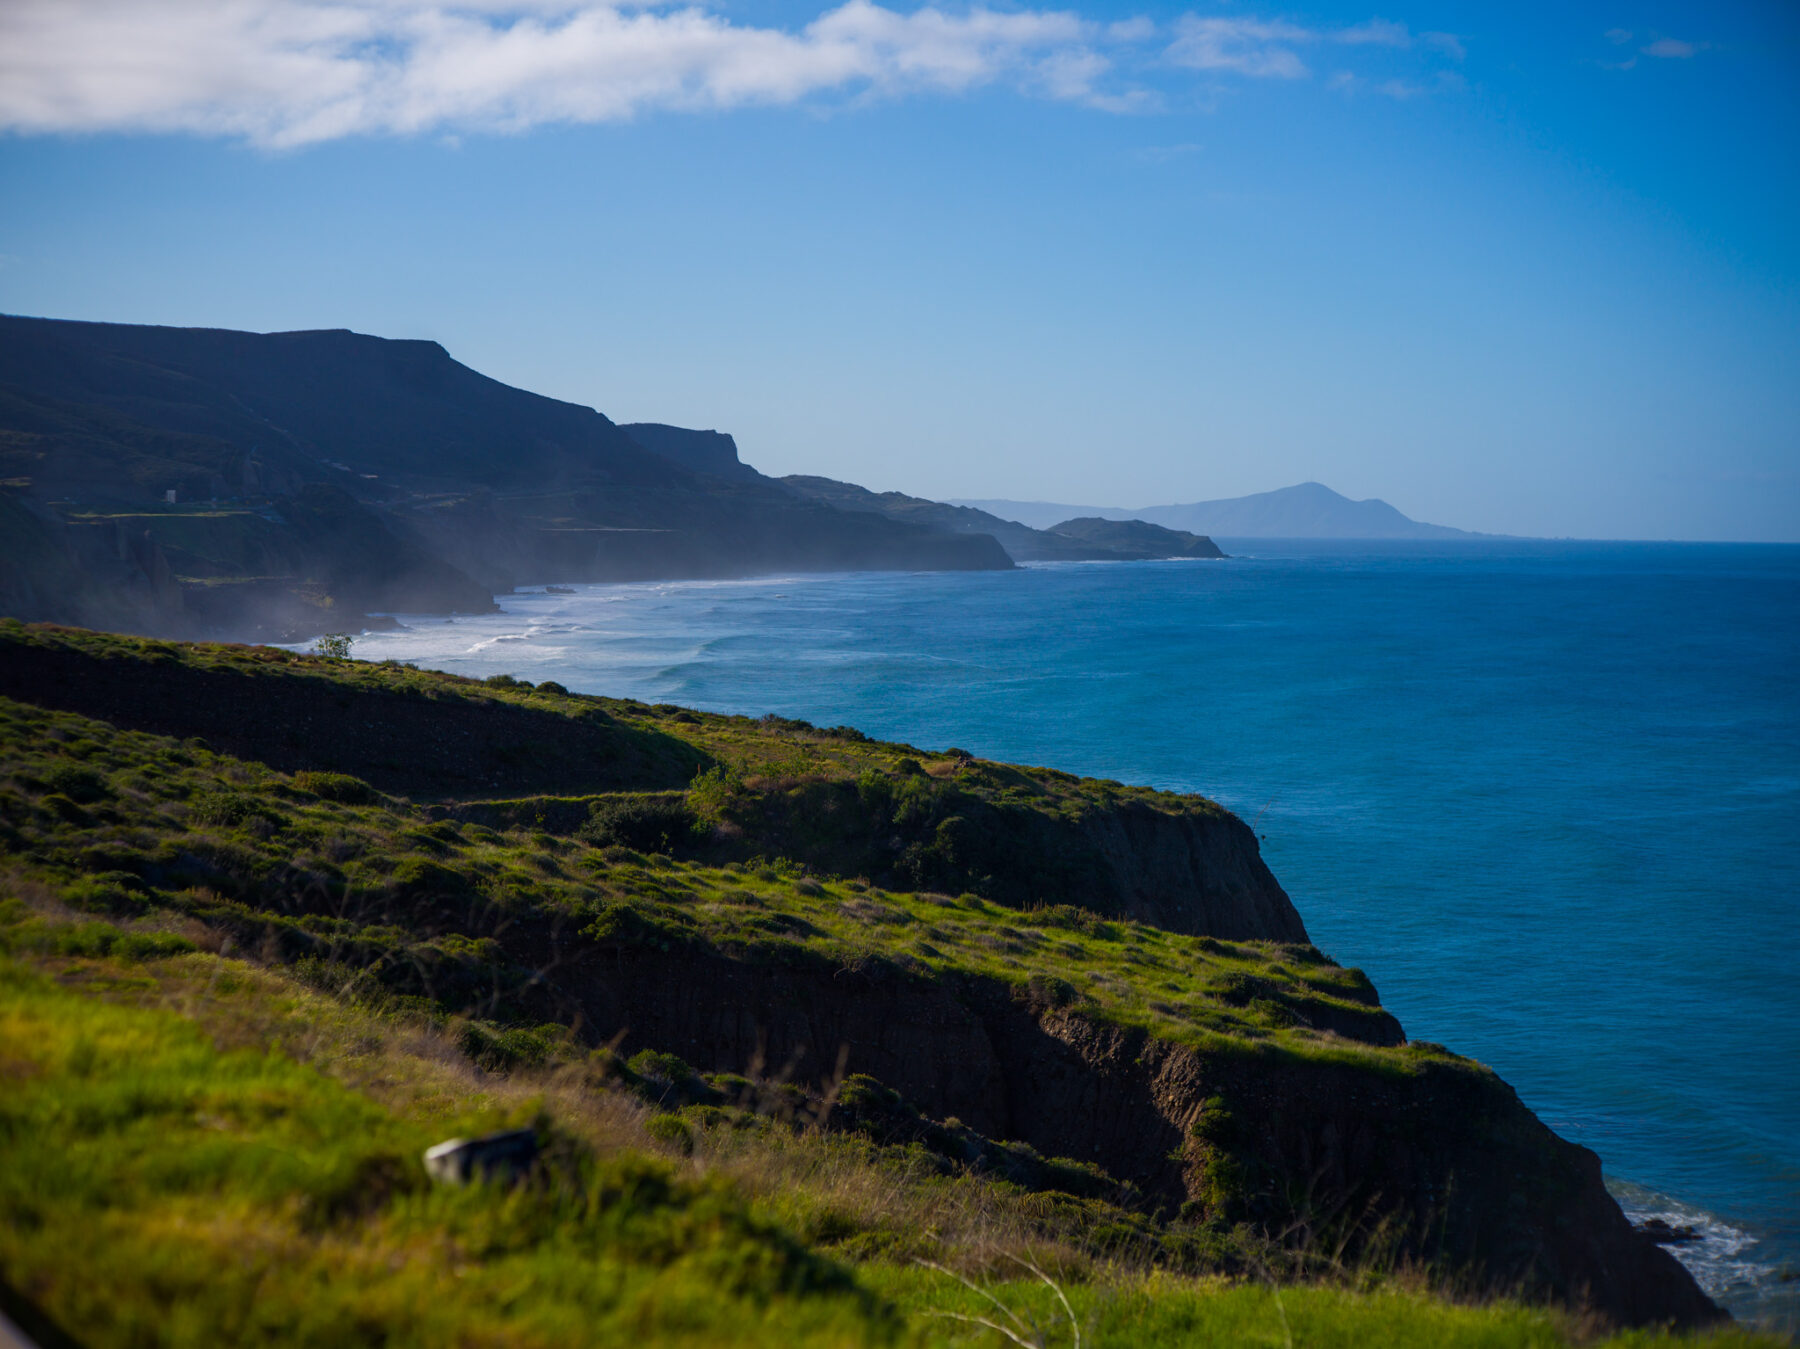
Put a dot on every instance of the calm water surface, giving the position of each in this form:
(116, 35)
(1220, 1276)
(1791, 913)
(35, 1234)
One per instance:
(1544, 793)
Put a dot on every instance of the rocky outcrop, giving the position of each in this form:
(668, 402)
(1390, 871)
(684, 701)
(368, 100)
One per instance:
(714, 453)
(1193, 871)
(1136, 538)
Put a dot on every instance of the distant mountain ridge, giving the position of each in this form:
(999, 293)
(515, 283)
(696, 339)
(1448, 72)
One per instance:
(1070, 541)
(1309, 510)
(208, 482)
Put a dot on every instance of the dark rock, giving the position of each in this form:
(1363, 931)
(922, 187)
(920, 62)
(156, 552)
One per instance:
(506, 1156)
(1663, 1233)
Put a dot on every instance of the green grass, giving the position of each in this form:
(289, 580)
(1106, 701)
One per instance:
(173, 1175)
(1146, 1311)
(145, 823)
(159, 1190)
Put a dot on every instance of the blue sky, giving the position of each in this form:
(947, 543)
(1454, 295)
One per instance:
(1525, 268)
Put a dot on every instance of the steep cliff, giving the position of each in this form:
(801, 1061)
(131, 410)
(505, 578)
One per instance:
(1143, 1004)
(1431, 1159)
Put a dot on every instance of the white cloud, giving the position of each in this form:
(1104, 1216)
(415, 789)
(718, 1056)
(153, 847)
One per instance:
(1268, 49)
(1661, 48)
(1139, 29)
(1375, 32)
(294, 72)
(1255, 47)
(1445, 81)
(289, 72)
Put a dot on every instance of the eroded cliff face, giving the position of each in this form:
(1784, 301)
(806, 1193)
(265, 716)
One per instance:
(1434, 1160)
(1191, 872)
(1183, 864)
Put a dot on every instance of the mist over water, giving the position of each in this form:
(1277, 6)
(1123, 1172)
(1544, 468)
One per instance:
(1546, 794)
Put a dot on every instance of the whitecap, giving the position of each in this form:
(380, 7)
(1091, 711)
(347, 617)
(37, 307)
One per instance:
(1723, 1258)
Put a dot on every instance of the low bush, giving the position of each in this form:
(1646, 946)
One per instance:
(339, 787)
(643, 823)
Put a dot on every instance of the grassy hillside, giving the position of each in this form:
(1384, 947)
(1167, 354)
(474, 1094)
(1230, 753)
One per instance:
(254, 957)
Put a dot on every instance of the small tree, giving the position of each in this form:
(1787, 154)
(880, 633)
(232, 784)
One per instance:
(335, 645)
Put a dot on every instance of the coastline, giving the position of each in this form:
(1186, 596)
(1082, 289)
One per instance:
(801, 645)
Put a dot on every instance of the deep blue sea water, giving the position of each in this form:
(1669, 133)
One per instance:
(1546, 794)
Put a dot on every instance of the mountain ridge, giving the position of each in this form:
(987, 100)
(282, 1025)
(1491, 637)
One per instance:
(207, 482)
(1308, 510)
(1022, 542)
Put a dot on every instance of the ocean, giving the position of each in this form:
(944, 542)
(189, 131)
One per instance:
(1547, 794)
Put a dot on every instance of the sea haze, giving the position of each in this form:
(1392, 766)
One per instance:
(1544, 793)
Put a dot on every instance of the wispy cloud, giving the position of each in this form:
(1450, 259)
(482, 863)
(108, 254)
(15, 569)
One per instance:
(294, 72)
(1270, 49)
(1445, 81)
(1660, 47)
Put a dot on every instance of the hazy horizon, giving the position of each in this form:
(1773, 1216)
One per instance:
(1533, 272)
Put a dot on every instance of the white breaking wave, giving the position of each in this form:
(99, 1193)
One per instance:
(1722, 1258)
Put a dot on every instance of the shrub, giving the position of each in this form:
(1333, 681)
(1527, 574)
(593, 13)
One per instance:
(1046, 990)
(1074, 919)
(114, 892)
(646, 824)
(222, 806)
(551, 686)
(63, 808)
(334, 645)
(339, 787)
(94, 940)
(671, 1129)
(504, 1048)
(420, 878)
(78, 784)
(624, 924)
(667, 1079)
(712, 793)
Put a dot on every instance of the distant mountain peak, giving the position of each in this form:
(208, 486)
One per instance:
(1307, 510)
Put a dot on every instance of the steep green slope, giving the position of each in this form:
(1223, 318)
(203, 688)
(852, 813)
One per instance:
(881, 1067)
